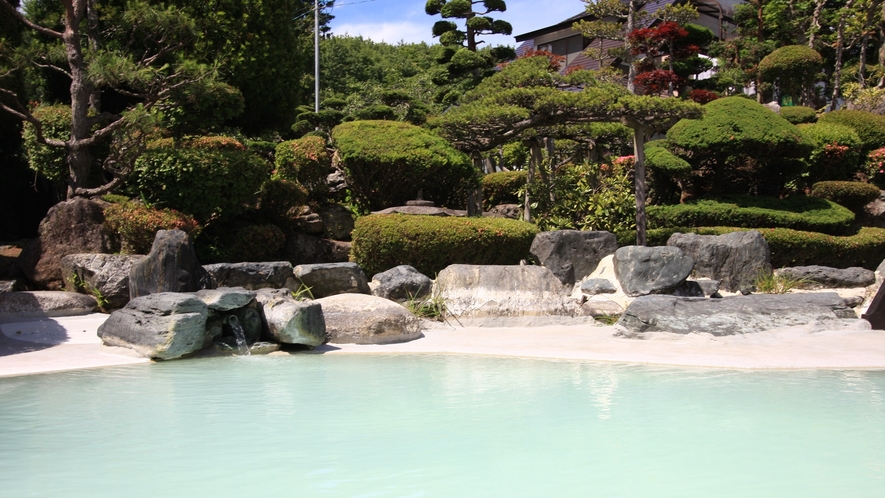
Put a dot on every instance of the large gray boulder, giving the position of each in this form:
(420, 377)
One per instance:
(290, 321)
(824, 277)
(34, 304)
(162, 326)
(70, 227)
(252, 276)
(171, 266)
(731, 315)
(104, 274)
(735, 259)
(651, 270)
(401, 283)
(477, 291)
(572, 254)
(226, 298)
(328, 279)
(362, 319)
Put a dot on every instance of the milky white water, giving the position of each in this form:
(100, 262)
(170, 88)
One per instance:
(426, 425)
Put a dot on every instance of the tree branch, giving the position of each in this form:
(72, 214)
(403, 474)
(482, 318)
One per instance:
(25, 115)
(36, 27)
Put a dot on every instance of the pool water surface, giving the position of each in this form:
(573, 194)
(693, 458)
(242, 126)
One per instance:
(435, 425)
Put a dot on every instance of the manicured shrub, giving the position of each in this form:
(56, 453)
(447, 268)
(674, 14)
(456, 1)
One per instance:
(798, 212)
(794, 67)
(305, 161)
(799, 114)
(661, 160)
(389, 162)
(702, 96)
(50, 162)
(430, 243)
(136, 225)
(869, 127)
(211, 143)
(837, 153)
(255, 243)
(502, 188)
(793, 247)
(739, 146)
(876, 166)
(203, 183)
(853, 195)
(278, 197)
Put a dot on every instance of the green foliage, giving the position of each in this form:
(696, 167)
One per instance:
(869, 127)
(744, 145)
(799, 114)
(773, 283)
(585, 197)
(255, 243)
(502, 188)
(837, 153)
(431, 308)
(853, 195)
(430, 243)
(136, 225)
(797, 212)
(794, 67)
(278, 199)
(305, 161)
(203, 183)
(51, 162)
(793, 247)
(388, 162)
(659, 159)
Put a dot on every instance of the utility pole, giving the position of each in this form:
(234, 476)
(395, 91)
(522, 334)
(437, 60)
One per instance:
(316, 55)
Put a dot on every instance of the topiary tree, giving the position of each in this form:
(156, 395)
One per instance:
(837, 153)
(869, 127)
(388, 162)
(798, 114)
(666, 171)
(794, 68)
(739, 145)
(305, 161)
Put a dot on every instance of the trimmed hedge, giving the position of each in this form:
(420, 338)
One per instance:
(837, 153)
(136, 225)
(430, 243)
(869, 127)
(305, 161)
(798, 213)
(658, 158)
(203, 183)
(799, 114)
(853, 195)
(388, 162)
(502, 188)
(793, 247)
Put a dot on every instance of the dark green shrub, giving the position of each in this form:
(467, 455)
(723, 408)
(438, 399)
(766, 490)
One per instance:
(211, 143)
(278, 197)
(794, 67)
(798, 212)
(739, 146)
(50, 162)
(430, 243)
(389, 162)
(305, 161)
(837, 153)
(136, 225)
(502, 188)
(799, 114)
(203, 183)
(793, 247)
(255, 243)
(869, 127)
(853, 195)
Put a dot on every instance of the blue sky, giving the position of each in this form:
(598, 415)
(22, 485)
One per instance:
(404, 20)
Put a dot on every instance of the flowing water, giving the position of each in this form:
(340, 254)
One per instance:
(239, 335)
(448, 426)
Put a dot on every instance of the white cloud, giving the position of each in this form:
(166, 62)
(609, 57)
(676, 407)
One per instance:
(390, 32)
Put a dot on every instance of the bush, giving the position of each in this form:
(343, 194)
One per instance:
(793, 247)
(795, 67)
(502, 188)
(203, 183)
(742, 146)
(869, 127)
(305, 161)
(876, 166)
(430, 243)
(837, 152)
(211, 143)
(798, 212)
(277, 197)
(853, 195)
(799, 114)
(136, 225)
(389, 162)
(661, 160)
(51, 162)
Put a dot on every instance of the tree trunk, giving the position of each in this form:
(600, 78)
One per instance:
(631, 69)
(760, 37)
(840, 48)
(79, 158)
(474, 199)
(534, 160)
(815, 23)
(639, 180)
